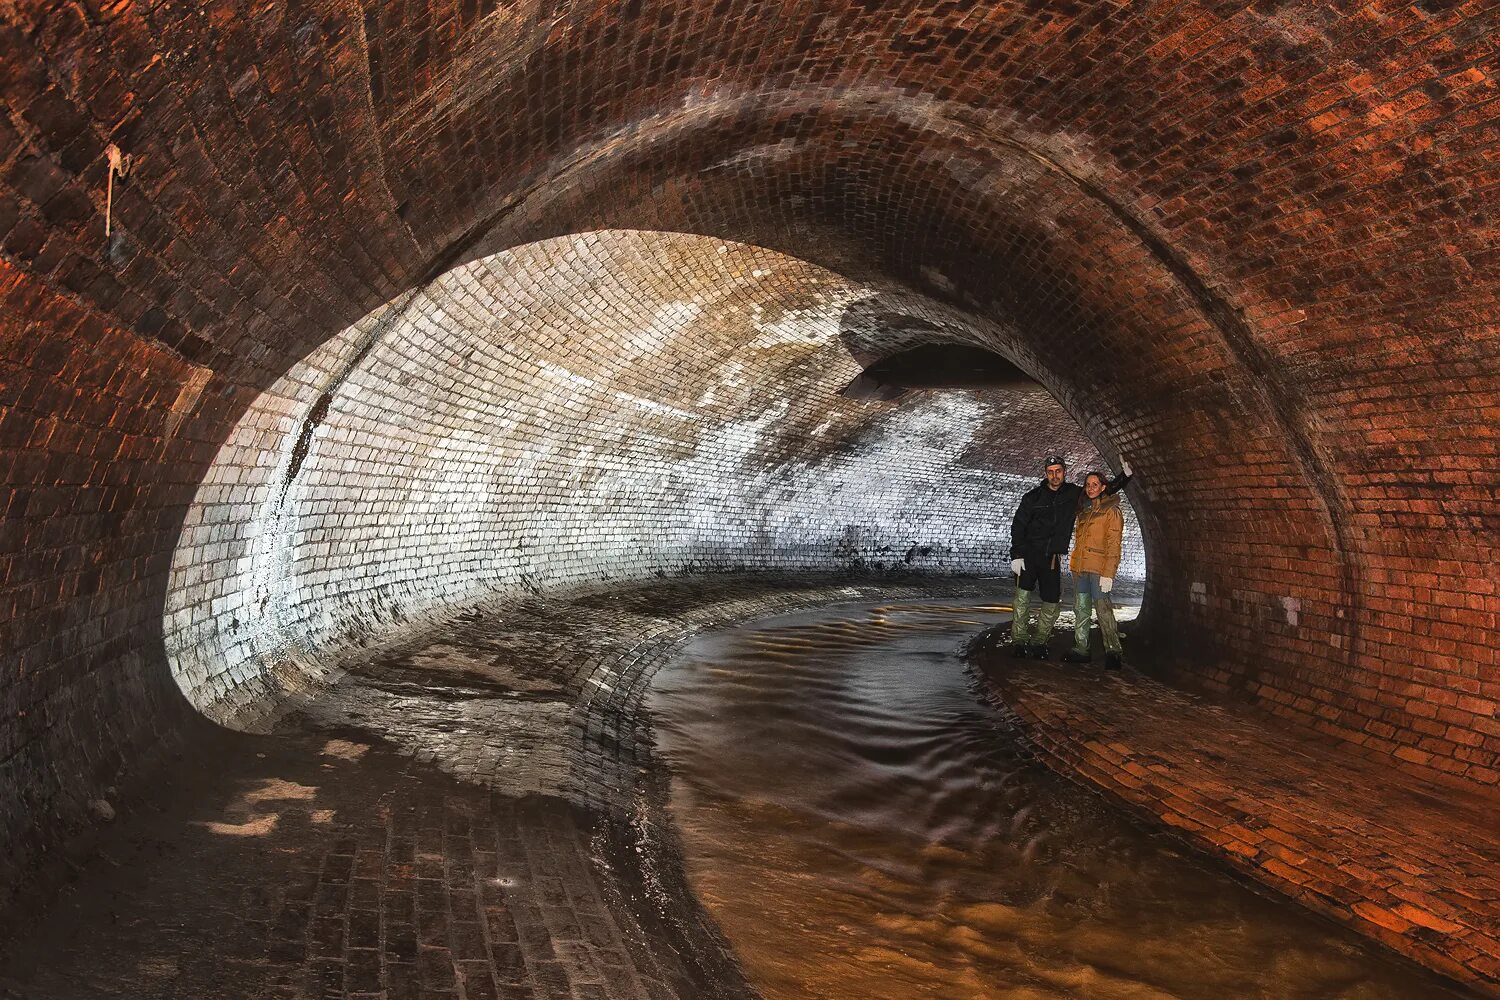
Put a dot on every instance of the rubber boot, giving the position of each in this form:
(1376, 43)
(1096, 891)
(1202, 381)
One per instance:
(1083, 613)
(1020, 623)
(1044, 624)
(1110, 630)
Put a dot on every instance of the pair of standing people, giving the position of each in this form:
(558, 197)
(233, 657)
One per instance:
(1040, 533)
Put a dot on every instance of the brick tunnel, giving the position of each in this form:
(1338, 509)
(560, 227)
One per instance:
(406, 310)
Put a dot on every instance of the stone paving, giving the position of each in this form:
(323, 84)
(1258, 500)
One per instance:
(1406, 861)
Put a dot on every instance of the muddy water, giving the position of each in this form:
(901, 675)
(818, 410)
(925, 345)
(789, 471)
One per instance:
(862, 826)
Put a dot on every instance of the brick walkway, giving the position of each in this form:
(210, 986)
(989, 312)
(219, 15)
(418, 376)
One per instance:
(327, 867)
(1410, 863)
(471, 816)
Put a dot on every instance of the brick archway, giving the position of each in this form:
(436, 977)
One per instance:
(1251, 247)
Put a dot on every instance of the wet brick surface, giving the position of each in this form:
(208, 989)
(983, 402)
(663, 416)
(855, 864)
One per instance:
(544, 696)
(366, 849)
(1412, 863)
(324, 867)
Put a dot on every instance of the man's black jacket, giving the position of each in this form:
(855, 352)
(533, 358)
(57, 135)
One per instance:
(1043, 524)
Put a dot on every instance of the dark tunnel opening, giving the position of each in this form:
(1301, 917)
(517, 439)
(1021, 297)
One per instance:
(936, 366)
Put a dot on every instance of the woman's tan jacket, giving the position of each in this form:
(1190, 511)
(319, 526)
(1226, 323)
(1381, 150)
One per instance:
(1096, 536)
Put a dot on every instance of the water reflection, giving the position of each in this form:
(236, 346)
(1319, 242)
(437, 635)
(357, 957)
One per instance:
(862, 826)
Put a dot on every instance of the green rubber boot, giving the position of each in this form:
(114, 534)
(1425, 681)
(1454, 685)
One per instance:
(1020, 623)
(1045, 621)
(1110, 630)
(1083, 613)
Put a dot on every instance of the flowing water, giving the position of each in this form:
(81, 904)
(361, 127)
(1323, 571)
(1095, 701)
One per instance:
(862, 826)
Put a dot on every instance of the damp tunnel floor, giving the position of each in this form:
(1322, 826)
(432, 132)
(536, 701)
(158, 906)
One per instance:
(779, 788)
(862, 823)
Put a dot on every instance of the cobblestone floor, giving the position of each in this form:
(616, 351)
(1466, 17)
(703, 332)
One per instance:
(472, 816)
(1410, 863)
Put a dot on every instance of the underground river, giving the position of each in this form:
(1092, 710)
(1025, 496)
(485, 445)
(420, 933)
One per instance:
(861, 825)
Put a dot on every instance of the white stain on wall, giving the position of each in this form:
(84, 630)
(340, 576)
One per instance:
(610, 407)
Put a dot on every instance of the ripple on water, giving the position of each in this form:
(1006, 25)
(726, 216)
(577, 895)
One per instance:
(862, 826)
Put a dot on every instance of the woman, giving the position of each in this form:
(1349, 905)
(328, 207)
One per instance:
(1097, 531)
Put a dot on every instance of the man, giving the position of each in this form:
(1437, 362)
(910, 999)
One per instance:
(1039, 537)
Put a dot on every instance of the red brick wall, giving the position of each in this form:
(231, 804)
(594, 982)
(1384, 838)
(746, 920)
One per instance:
(1252, 247)
(87, 520)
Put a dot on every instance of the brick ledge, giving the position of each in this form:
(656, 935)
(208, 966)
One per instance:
(1414, 866)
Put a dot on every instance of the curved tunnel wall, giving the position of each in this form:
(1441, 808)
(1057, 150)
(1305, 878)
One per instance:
(615, 405)
(1250, 246)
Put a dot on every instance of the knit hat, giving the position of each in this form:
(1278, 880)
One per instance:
(1054, 460)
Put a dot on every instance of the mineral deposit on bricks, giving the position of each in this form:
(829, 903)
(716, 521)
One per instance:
(609, 406)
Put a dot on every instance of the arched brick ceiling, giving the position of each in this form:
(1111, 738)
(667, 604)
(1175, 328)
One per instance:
(1251, 247)
(612, 405)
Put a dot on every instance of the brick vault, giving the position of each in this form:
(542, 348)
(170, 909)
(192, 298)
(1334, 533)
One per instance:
(380, 320)
(607, 406)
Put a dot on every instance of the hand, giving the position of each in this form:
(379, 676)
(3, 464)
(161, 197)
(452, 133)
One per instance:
(1017, 565)
(1125, 467)
(1105, 583)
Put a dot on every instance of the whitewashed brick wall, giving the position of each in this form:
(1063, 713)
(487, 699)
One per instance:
(609, 406)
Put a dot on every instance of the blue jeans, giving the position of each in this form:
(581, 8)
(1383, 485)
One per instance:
(1088, 585)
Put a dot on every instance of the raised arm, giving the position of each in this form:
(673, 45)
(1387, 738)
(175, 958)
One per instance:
(1117, 484)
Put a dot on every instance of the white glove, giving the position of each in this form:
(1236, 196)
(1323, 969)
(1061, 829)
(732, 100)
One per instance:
(1017, 565)
(1124, 466)
(1105, 583)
